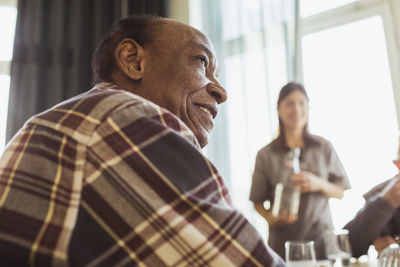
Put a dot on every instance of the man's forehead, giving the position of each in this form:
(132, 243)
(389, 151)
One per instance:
(185, 35)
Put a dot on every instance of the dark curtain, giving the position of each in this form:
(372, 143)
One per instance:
(54, 43)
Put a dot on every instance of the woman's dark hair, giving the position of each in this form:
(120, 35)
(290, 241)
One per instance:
(139, 28)
(308, 138)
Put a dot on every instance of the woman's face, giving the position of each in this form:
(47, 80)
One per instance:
(293, 111)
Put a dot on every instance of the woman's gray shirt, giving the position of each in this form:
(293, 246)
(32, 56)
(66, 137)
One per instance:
(314, 221)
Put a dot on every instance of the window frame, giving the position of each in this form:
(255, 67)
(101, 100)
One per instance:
(388, 10)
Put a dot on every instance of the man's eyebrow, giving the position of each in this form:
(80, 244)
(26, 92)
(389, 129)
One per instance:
(211, 56)
(202, 47)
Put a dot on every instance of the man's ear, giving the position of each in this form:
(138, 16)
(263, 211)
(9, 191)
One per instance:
(129, 56)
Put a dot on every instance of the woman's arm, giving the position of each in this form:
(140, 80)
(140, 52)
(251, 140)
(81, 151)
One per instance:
(309, 182)
(332, 190)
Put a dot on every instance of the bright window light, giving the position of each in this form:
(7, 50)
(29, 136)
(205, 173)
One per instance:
(8, 16)
(347, 75)
(252, 116)
(4, 89)
(311, 7)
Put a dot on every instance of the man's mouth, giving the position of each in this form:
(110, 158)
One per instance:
(209, 109)
(206, 110)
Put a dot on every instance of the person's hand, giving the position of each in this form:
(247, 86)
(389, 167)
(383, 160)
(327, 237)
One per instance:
(391, 193)
(307, 181)
(382, 242)
(283, 219)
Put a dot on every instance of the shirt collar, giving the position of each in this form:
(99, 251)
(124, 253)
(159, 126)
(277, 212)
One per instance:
(184, 129)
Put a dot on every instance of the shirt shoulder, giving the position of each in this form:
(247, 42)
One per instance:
(321, 145)
(80, 117)
(271, 154)
(321, 141)
(378, 189)
(269, 149)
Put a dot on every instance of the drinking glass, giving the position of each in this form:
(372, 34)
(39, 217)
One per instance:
(343, 249)
(390, 256)
(300, 254)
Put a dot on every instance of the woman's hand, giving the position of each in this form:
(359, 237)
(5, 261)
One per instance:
(282, 219)
(307, 181)
(275, 221)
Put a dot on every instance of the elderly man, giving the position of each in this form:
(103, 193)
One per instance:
(115, 176)
(378, 222)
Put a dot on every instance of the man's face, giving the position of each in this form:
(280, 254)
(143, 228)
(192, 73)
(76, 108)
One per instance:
(180, 75)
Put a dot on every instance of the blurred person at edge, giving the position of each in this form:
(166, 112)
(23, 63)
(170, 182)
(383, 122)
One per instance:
(322, 176)
(116, 176)
(378, 222)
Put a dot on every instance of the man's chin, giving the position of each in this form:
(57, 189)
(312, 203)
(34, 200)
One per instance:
(199, 132)
(202, 136)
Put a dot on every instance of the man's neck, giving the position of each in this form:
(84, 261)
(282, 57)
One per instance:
(120, 80)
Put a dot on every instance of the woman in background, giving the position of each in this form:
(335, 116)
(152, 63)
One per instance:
(322, 176)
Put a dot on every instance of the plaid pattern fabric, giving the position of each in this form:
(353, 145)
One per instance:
(110, 179)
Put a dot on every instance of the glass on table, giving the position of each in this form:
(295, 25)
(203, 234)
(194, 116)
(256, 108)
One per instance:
(390, 256)
(300, 254)
(342, 249)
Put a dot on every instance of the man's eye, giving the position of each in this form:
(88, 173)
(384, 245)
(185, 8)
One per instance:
(203, 62)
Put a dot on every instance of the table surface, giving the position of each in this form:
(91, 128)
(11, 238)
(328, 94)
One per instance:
(369, 263)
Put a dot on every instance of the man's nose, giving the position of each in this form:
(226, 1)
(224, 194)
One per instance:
(217, 91)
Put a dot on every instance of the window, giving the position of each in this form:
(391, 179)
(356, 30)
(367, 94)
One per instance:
(349, 62)
(4, 90)
(252, 41)
(311, 7)
(8, 15)
(348, 66)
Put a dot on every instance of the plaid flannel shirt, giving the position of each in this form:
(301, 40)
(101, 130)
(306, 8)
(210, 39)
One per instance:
(110, 179)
